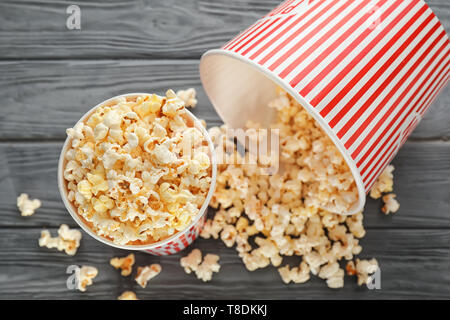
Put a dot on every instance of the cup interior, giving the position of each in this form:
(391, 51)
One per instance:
(62, 184)
(240, 90)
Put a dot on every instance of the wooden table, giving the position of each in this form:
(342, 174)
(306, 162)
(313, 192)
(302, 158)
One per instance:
(50, 76)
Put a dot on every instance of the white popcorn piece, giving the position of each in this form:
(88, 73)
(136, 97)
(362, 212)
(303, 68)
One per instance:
(188, 96)
(203, 270)
(127, 295)
(129, 174)
(391, 204)
(67, 240)
(207, 267)
(191, 261)
(384, 183)
(299, 274)
(147, 273)
(362, 269)
(84, 277)
(125, 264)
(26, 206)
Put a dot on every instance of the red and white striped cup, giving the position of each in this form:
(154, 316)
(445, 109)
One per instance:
(173, 244)
(367, 71)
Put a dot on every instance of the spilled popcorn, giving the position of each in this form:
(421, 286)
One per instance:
(391, 204)
(26, 206)
(289, 213)
(84, 277)
(138, 170)
(125, 264)
(67, 240)
(203, 270)
(147, 273)
(188, 96)
(127, 295)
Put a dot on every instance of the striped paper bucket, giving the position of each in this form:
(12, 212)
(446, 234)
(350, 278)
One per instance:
(367, 71)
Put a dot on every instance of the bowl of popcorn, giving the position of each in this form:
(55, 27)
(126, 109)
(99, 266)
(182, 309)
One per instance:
(137, 172)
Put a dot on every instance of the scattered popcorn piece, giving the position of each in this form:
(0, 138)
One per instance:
(391, 204)
(203, 270)
(84, 277)
(188, 96)
(384, 183)
(207, 267)
(299, 274)
(147, 273)
(191, 261)
(138, 171)
(362, 269)
(125, 264)
(127, 295)
(67, 240)
(26, 206)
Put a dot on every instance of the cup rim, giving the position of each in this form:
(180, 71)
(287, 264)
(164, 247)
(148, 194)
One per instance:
(308, 107)
(64, 194)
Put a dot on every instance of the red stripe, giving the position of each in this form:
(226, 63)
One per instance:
(308, 37)
(249, 34)
(386, 84)
(352, 46)
(299, 30)
(371, 182)
(268, 44)
(243, 34)
(408, 103)
(367, 67)
(441, 83)
(257, 34)
(304, 72)
(394, 132)
(366, 51)
(267, 36)
(376, 170)
(408, 89)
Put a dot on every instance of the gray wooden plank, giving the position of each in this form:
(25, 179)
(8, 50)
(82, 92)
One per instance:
(421, 182)
(40, 99)
(132, 28)
(409, 263)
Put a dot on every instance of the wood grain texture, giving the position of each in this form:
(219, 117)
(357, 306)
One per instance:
(132, 28)
(50, 76)
(40, 99)
(413, 263)
(421, 183)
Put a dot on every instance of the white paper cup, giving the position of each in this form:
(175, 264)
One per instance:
(366, 71)
(177, 241)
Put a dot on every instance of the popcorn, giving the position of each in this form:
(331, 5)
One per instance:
(207, 267)
(137, 171)
(67, 240)
(203, 270)
(127, 295)
(84, 277)
(384, 183)
(147, 273)
(291, 212)
(299, 274)
(390, 203)
(362, 269)
(26, 206)
(125, 264)
(188, 96)
(191, 261)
